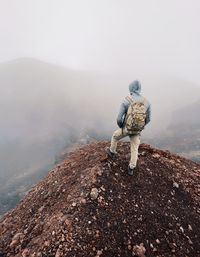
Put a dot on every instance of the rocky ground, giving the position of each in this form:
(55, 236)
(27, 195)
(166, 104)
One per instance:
(89, 206)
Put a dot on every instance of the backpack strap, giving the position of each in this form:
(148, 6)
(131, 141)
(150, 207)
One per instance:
(129, 99)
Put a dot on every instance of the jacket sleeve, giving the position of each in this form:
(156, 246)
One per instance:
(121, 115)
(148, 114)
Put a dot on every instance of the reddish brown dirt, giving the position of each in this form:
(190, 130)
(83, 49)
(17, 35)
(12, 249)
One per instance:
(154, 213)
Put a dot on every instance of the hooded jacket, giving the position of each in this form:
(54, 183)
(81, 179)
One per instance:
(134, 89)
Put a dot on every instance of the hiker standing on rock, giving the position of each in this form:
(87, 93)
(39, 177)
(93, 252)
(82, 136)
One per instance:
(134, 115)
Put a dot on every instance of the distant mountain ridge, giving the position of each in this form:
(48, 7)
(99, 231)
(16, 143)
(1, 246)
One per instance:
(183, 133)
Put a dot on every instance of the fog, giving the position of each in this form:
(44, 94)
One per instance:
(65, 67)
(46, 108)
(154, 37)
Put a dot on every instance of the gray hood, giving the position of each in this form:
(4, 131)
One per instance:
(135, 87)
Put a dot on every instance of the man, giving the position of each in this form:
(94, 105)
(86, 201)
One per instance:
(134, 115)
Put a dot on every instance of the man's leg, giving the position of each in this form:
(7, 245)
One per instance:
(117, 135)
(135, 142)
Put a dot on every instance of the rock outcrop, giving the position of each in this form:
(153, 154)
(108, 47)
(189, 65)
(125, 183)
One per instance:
(89, 206)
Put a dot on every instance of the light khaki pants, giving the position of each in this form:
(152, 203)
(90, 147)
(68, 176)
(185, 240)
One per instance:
(135, 142)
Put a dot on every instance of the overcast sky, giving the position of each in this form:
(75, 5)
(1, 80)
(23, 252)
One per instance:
(153, 37)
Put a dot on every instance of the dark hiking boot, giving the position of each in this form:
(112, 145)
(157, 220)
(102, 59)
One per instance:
(131, 171)
(109, 153)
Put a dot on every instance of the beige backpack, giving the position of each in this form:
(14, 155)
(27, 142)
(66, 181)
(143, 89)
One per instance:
(136, 116)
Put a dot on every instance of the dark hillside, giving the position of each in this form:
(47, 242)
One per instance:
(89, 206)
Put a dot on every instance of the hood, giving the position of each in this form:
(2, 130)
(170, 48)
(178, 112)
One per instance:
(135, 87)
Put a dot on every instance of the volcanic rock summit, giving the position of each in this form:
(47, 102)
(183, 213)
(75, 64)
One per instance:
(89, 206)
